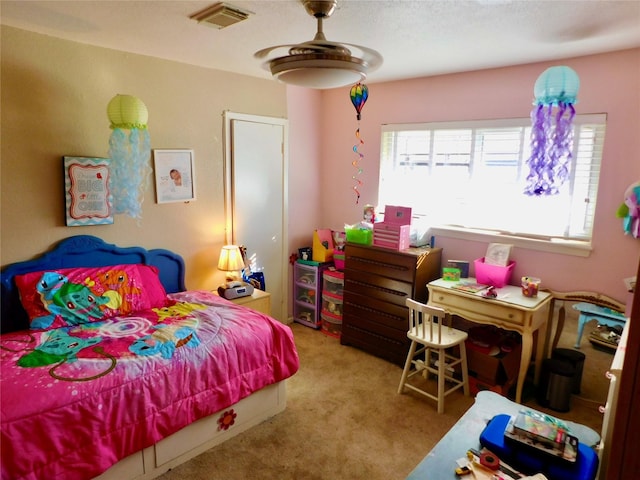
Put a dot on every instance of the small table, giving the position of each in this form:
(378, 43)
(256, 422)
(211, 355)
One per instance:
(605, 316)
(509, 310)
(258, 300)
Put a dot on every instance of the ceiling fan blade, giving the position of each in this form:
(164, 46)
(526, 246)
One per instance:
(266, 51)
(373, 58)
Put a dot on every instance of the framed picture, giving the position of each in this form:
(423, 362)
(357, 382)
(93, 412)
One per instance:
(175, 176)
(87, 194)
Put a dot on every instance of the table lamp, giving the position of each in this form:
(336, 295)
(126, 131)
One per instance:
(231, 261)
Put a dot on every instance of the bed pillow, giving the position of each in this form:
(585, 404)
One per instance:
(71, 296)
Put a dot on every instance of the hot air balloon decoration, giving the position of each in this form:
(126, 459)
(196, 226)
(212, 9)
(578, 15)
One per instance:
(359, 94)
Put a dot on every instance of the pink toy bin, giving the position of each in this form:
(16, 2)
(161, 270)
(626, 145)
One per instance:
(493, 275)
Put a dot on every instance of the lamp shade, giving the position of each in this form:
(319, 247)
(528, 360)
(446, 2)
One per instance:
(314, 71)
(230, 259)
(127, 111)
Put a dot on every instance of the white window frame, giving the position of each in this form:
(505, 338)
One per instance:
(571, 243)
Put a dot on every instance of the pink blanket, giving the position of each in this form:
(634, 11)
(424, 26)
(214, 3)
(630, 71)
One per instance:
(76, 400)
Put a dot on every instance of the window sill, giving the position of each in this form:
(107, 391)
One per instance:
(556, 245)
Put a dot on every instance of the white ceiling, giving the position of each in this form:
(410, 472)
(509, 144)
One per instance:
(416, 37)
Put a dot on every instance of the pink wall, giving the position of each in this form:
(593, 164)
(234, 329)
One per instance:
(610, 83)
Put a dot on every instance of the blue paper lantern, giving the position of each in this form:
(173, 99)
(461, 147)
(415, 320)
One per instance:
(557, 85)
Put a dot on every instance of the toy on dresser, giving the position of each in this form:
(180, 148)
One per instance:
(395, 231)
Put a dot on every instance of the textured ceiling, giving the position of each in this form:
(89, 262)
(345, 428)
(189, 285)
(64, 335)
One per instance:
(416, 38)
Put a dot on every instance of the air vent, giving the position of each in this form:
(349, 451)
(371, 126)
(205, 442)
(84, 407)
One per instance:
(221, 15)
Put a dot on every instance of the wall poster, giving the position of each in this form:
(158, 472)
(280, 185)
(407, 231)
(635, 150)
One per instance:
(175, 176)
(86, 186)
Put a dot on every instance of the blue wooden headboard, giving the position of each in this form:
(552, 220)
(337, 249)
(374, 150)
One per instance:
(84, 251)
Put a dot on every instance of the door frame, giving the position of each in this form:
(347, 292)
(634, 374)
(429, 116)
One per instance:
(228, 117)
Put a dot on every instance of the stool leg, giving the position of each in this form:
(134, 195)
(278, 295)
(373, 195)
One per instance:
(427, 363)
(465, 372)
(407, 365)
(441, 373)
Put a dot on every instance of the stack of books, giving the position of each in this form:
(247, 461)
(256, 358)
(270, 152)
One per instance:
(543, 432)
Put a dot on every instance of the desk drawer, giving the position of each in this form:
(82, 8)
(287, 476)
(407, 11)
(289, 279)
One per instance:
(472, 308)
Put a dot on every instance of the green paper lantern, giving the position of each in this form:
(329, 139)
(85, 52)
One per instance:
(127, 111)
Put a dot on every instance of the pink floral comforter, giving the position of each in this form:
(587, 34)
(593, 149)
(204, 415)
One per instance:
(76, 400)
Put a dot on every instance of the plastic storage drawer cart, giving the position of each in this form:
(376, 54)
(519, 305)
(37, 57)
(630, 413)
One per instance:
(307, 292)
(331, 314)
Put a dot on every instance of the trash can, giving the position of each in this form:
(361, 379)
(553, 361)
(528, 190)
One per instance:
(576, 360)
(556, 384)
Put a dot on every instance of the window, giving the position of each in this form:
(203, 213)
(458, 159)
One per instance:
(472, 175)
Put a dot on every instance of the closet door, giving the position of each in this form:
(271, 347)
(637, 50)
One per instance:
(256, 198)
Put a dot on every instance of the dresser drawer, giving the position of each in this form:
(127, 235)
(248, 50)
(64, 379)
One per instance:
(381, 262)
(374, 286)
(376, 315)
(387, 348)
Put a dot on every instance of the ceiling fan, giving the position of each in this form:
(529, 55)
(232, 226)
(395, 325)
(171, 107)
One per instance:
(320, 63)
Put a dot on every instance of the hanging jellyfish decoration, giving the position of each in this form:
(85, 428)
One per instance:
(555, 91)
(130, 153)
(359, 94)
(629, 211)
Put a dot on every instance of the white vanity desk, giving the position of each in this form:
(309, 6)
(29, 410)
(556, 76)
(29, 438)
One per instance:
(509, 310)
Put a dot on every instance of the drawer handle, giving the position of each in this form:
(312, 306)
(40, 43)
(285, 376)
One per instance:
(379, 289)
(380, 264)
(372, 310)
(511, 315)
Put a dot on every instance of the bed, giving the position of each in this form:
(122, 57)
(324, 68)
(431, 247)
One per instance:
(111, 369)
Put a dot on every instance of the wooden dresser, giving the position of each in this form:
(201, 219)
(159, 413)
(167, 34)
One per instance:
(376, 283)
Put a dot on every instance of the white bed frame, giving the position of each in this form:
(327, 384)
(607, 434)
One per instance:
(199, 437)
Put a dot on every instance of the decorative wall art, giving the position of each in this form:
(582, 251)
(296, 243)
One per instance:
(88, 198)
(175, 176)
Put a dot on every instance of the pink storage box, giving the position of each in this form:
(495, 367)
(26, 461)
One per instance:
(396, 237)
(395, 231)
(338, 260)
(333, 282)
(397, 215)
(493, 275)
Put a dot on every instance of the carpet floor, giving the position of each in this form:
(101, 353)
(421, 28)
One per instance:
(344, 419)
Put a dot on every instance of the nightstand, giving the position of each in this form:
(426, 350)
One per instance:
(258, 300)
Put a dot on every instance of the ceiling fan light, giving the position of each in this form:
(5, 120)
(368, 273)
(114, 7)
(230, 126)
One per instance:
(318, 73)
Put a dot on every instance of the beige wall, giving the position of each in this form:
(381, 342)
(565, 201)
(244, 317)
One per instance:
(54, 99)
